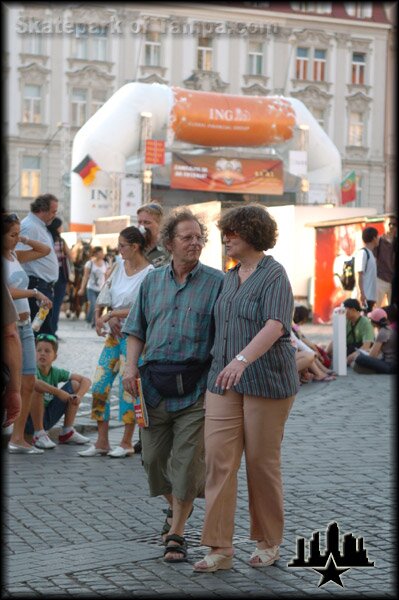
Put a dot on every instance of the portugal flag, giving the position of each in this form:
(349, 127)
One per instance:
(87, 169)
(348, 188)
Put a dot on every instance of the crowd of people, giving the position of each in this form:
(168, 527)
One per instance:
(219, 358)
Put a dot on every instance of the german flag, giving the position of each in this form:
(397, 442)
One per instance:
(87, 169)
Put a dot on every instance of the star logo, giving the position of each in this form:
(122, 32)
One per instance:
(339, 555)
(330, 572)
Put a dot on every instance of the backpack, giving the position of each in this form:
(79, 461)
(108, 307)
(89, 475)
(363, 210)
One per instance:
(348, 272)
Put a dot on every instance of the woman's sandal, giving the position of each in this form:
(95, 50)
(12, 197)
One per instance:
(169, 515)
(180, 549)
(266, 557)
(214, 562)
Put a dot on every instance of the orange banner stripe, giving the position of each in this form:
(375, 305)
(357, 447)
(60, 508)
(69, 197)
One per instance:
(81, 227)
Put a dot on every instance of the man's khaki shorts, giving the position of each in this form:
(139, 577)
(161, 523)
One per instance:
(173, 451)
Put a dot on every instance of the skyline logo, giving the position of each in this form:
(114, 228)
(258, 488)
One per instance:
(333, 562)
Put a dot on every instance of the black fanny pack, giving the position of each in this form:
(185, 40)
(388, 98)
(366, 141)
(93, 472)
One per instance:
(175, 379)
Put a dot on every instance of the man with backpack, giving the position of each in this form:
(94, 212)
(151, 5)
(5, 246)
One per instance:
(366, 270)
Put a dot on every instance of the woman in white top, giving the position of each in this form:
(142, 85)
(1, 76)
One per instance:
(93, 280)
(127, 276)
(18, 281)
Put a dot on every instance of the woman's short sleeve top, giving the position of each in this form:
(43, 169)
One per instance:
(241, 311)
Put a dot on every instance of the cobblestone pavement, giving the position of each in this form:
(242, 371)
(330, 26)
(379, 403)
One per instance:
(87, 527)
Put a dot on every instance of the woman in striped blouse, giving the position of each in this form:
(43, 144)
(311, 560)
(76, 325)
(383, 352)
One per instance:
(252, 384)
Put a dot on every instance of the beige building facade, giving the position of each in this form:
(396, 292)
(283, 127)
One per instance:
(63, 63)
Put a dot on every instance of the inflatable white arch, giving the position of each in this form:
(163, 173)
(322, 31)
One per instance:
(112, 135)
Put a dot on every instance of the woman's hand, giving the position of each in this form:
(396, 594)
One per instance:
(129, 380)
(231, 374)
(43, 299)
(115, 326)
(100, 326)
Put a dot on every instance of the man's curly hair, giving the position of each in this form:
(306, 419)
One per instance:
(178, 216)
(252, 223)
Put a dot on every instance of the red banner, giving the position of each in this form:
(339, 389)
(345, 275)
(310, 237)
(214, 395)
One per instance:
(154, 152)
(218, 174)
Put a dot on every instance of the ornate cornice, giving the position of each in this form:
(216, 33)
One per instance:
(320, 85)
(35, 131)
(207, 81)
(28, 56)
(312, 36)
(82, 63)
(313, 97)
(359, 102)
(255, 89)
(356, 152)
(89, 76)
(93, 15)
(342, 40)
(355, 88)
(34, 73)
(152, 78)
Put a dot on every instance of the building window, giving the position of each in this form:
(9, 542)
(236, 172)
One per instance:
(302, 59)
(90, 43)
(204, 54)
(33, 44)
(361, 10)
(319, 65)
(30, 176)
(152, 50)
(356, 129)
(358, 67)
(322, 8)
(98, 44)
(98, 97)
(255, 58)
(32, 104)
(80, 42)
(79, 107)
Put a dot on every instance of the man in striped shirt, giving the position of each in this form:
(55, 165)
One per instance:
(173, 319)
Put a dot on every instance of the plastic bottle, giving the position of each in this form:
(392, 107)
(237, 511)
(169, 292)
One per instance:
(40, 317)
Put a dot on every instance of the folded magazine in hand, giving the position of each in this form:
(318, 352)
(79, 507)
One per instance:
(140, 409)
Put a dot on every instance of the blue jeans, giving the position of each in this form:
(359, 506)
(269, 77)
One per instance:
(376, 364)
(59, 294)
(91, 298)
(53, 412)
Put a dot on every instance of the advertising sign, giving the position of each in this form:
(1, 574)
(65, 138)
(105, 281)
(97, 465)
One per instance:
(154, 152)
(218, 174)
(211, 119)
(130, 195)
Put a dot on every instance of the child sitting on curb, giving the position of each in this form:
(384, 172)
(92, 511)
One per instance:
(49, 402)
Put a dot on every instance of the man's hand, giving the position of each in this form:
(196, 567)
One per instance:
(129, 382)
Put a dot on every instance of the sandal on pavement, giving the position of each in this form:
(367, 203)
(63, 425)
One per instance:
(267, 557)
(181, 548)
(214, 562)
(169, 515)
(120, 452)
(93, 451)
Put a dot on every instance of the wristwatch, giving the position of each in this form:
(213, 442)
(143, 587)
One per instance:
(242, 358)
(34, 290)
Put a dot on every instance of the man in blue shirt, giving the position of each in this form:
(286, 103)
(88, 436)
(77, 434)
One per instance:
(173, 319)
(43, 272)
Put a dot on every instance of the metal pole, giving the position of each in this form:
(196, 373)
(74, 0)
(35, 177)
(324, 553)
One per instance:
(146, 133)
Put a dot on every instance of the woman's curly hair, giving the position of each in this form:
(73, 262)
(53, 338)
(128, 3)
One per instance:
(252, 223)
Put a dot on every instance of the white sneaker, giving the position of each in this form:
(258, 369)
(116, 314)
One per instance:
(43, 441)
(73, 437)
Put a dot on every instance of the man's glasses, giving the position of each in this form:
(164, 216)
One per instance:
(187, 239)
(46, 337)
(10, 218)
